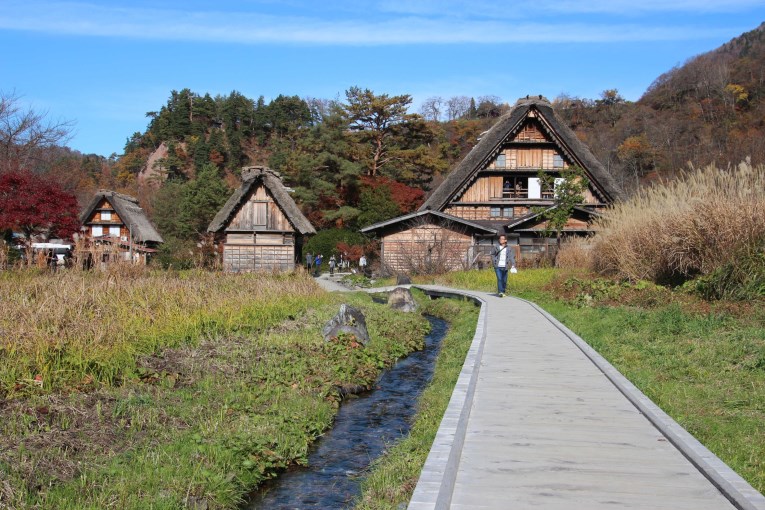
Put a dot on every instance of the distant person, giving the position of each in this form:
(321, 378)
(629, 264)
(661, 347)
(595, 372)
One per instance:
(503, 258)
(332, 264)
(317, 264)
(363, 264)
(308, 261)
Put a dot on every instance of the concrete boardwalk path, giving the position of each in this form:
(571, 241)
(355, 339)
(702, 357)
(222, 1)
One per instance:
(536, 424)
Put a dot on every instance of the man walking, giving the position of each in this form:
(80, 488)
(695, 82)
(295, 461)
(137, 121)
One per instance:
(503, 258)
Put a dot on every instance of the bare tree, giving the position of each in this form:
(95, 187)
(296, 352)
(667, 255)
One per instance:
(432, 107)
(24, 134)
(457, 107)
(425, 248)
(490, 106)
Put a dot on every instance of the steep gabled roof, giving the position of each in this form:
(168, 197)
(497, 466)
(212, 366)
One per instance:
(254, 176)
(492, 141)
(440, 216)
(130, 213)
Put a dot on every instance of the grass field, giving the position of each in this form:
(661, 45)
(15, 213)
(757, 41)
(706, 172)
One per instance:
(188, 389)
(172, 390)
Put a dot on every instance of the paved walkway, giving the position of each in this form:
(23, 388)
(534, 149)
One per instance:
(538, 420)
(548, 430)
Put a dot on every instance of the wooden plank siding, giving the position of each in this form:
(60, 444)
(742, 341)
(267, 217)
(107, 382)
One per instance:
(239, 258)
(423, 248)
(260, 212)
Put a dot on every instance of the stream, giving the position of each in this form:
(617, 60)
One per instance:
(363, 427)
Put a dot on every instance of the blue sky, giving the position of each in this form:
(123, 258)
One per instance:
(104, 64)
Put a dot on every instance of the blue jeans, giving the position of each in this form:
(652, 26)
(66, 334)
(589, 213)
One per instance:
(501, 279)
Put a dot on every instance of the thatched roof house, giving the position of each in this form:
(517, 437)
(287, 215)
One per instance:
(497, 185)
(117, 221)
(260, 227)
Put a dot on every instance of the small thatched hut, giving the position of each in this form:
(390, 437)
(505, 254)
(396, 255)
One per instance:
(260, 228)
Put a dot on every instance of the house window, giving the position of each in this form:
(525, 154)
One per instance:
(106, 216)
(98, 231)
(501, 162)
(557, 161)
(515, 187)
(114, 231)
(501, 212)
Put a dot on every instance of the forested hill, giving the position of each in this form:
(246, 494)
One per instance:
(351, 162)
(711, 109)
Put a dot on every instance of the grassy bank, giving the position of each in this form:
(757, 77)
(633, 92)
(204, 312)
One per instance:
(218, 384)
(703, 363)
(394, 476)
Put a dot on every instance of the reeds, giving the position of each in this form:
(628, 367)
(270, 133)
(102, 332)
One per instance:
(57, 329)
(575, 253)
(689, 227)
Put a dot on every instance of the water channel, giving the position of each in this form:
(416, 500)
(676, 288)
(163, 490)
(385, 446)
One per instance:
(364, 426)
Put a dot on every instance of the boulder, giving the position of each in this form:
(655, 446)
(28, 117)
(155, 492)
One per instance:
(402, 279)
(349, 321)
(401, 299)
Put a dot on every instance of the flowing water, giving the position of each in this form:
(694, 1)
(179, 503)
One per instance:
(364, 426)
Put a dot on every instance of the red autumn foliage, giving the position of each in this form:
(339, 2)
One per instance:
(352, 251)
(406, 197)
(33, 205)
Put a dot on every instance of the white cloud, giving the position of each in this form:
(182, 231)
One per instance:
(410, 28)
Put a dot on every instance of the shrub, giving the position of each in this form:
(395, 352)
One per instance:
(743, 278)
(690, 227)
(326, 241)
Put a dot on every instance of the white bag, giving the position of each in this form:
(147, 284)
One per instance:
(513, 269)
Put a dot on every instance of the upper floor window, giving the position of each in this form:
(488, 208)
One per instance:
(106, 215)
(557, 161)
(515, 187)
(501, 161)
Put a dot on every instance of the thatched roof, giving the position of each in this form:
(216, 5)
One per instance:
(437, 216)
(254, 176)
(130, 213)
(493, 140)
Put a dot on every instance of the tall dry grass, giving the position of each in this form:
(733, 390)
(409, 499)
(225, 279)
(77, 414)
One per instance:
(59, 328)
(575, 253)
(688, 227)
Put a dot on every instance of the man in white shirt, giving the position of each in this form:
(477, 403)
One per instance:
(503, 258)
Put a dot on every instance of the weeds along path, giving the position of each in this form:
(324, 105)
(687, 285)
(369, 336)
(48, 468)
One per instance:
(171, 389)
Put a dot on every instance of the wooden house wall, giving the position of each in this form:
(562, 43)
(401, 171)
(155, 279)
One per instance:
(247, 258)
(260, 212)
(403, 251)
(484, 212)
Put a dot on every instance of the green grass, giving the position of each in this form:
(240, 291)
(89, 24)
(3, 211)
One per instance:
(394, 476)
(202, 419)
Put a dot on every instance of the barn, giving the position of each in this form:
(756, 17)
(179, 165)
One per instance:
(496, 188)
(260, 228)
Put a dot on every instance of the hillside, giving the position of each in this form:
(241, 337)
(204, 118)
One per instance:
(710, 109)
